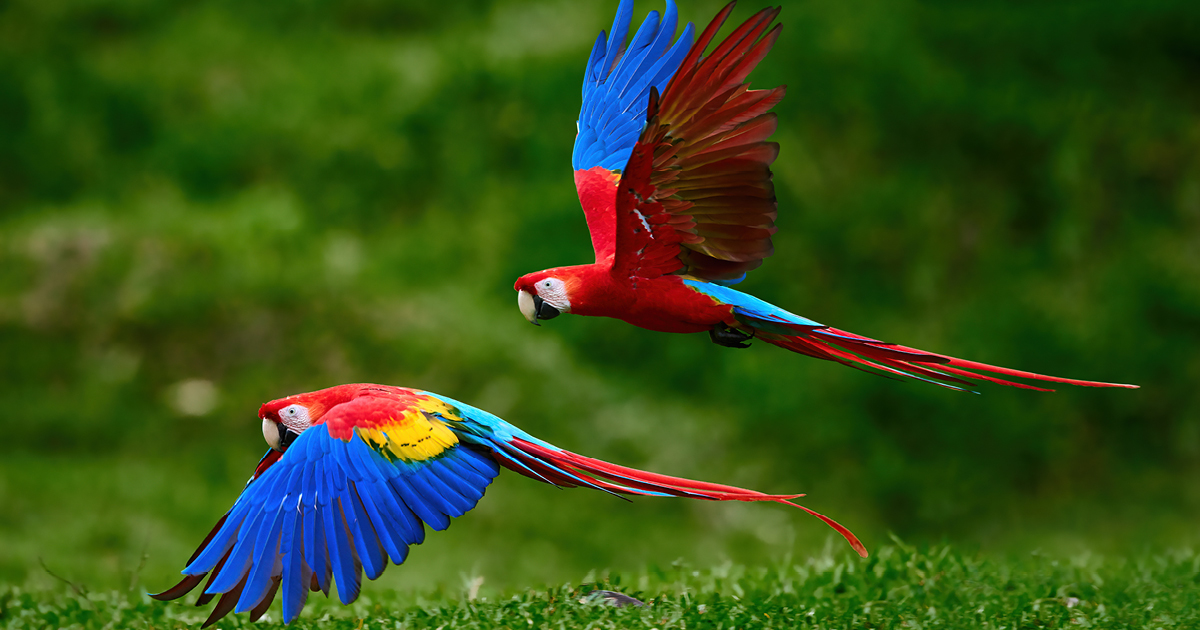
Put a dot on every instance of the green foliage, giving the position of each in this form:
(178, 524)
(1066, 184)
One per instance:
(900, 587)
(207, 205)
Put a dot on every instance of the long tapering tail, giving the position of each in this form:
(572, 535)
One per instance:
(895, 360)
(800, 334)
(567, 469)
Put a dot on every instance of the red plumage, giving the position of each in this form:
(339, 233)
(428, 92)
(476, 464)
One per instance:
(695, 205)
(599, 472)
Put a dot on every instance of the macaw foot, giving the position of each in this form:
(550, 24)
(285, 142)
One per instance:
(723, 335)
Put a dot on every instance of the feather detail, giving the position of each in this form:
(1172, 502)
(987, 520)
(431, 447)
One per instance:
(618, 79)
(703, 153)
(787, 330)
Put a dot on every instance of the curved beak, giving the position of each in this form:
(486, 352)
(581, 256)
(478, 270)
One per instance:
(534, 308)
(528, 308)
(544, 310)
(286, 437)
(278, 436)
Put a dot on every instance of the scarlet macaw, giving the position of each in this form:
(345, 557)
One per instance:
(353, 474)
(679, 202)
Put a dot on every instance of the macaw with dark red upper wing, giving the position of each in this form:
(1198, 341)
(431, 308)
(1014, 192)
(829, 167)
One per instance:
(672, 169)
(354, 474)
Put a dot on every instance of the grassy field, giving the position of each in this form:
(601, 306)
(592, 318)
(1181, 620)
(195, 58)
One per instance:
(251, 200)
(899, 586)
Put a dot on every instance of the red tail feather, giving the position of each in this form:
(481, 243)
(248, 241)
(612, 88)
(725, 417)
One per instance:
(585, 471)
(892, 359)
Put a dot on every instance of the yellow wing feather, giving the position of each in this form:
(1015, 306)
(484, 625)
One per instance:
(414, 435)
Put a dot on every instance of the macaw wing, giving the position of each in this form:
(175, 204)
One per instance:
(616, 89)
(347, 496)
(696, 196)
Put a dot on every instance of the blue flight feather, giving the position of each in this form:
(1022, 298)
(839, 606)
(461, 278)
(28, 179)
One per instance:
(366, 543)
(617, 81)
(408, 530)
(481, 463)
(308, 485)
(340, 555)
(309, 525)
(616, 40)
(416, 496)
(343, 462)
(370, 548)
(360, 470)
(346, 566)
(467, 464)
(324, 485)
(221, 542)
(650, 66)
(447, 473)
(385, 528)
(265, 556)
(592, 71)
(319, 560)
(441, 481)
(291, 578)
(230, 575)
(313, 449)
(633, 58)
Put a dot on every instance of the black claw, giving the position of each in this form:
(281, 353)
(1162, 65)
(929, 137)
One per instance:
(723, 335)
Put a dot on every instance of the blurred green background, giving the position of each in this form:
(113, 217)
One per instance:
(207, 205)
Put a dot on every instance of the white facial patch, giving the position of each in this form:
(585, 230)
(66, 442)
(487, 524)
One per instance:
(554, 292)
(295, 417)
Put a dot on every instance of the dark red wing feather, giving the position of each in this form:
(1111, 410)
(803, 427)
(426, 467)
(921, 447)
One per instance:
(699, 177)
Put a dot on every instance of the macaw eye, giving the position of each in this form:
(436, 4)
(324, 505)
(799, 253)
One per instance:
(547, 284)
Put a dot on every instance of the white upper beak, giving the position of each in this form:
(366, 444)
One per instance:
(271, 433)
(525, 301)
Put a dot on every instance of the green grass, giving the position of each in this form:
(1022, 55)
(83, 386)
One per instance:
(898, 587)
(272, 198)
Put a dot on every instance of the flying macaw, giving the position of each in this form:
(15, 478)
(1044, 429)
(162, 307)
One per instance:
(356, 471)
(672, 169)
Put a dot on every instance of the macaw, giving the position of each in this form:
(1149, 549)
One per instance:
(672, 169)
(355, 472)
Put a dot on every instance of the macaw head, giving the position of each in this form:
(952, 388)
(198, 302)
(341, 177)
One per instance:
(545, 294)
(285, 419)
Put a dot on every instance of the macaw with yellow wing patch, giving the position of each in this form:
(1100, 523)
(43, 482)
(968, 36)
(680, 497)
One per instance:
(672, 169)
(354, 475)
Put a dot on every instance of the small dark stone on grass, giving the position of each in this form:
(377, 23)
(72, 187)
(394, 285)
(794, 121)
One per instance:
(612, 598)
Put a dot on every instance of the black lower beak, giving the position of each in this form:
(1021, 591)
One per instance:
(543, 310)
(286, 437)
